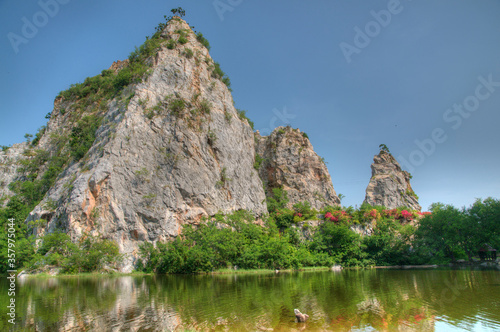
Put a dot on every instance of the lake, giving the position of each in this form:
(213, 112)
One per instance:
(348, 300)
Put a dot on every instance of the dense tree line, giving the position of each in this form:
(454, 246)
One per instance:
(284, 239)
(399, 237)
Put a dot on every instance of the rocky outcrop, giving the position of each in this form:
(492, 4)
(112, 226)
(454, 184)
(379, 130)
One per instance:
(169, 150)
(287, 160)
(389, 185)
(173, 152)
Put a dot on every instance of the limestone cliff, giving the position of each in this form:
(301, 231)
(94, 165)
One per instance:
(154, 143)
(169, 151)
(390, 185)
(287, 160)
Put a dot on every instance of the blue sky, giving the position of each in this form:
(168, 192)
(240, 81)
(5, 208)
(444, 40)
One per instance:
(422, 77)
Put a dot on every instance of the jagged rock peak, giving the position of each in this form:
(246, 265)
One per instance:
(169, 150)
(287, 160)
(390, 185)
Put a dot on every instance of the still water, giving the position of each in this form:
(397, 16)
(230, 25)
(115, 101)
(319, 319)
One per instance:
(348, 300)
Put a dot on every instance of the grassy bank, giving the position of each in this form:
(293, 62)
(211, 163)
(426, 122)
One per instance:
(88, 274)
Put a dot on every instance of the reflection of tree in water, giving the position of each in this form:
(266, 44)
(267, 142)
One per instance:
(352, 298)
(387, 300)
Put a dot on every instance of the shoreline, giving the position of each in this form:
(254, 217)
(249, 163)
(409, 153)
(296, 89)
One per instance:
(229, 271)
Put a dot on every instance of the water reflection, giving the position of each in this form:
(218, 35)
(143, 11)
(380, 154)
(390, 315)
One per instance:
(352, 300)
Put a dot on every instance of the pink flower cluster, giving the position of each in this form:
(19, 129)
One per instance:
(337, 215)
(398, 215)
(373, 214)
(407, 215)
(424, 213)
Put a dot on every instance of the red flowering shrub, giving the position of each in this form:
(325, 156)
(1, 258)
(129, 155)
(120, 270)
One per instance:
(394, 213)
(337, 216)
(372, 214)
(424, 213)
(406, 215)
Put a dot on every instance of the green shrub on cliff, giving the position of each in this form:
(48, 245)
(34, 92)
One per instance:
(83, 135)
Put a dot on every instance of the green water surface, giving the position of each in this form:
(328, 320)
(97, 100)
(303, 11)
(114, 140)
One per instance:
(349, 300)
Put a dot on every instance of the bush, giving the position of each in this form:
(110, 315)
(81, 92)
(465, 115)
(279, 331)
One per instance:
(219, 74)
(277, 200)
(176, 106)
(122, 79)
(188, 53)
(203, 40)
(341, 243)
(258, 161)
(39, 135)
(205, 106)
(83, 135)
(304, 211)
(171, 44)
(283, 218)
(242, 114)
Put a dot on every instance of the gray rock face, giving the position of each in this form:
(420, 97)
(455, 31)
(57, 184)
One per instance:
(168, 152)
(10, 169)
(389, 185)
(153, 168)
(289, 161)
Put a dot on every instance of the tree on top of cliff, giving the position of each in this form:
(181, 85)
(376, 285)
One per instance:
(178, 11)
(384, 148)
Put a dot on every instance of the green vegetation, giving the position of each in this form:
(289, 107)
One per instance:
(231, 240)
(83, 135)
(203, 40)
(171, 44)
(39, 135)
(205, 106)
(28, 137)
(451, 233)
(88, 255)
(188, 53)
(211, 137)
(176, 106)
(258, 161)
(242, 114)
(178, 11)
(384, 148)
(219, 74)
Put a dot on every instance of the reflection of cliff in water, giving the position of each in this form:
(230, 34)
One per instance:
(384, 300)
(93, 304)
